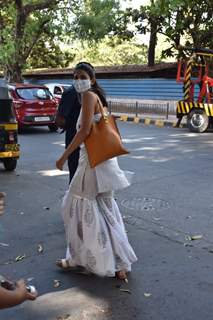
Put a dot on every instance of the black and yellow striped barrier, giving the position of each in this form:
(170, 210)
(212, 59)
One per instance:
(149, 121)
(187, 82)
(185, 107)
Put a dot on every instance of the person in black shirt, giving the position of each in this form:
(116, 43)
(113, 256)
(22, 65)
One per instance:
(69, 109)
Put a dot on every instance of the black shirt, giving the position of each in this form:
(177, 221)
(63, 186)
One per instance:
(69, 108)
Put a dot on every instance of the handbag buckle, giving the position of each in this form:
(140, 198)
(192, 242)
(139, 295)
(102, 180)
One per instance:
(105, 116)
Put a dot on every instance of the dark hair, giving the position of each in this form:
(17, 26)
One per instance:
(89, 69)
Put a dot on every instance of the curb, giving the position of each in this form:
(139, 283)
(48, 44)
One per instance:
(150, 121)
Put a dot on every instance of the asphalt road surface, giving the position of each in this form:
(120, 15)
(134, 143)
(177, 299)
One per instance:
(168, 211)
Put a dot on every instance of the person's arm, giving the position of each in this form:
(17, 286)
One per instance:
(60, 119)
(10, 298)
(62, 104)
(89, 101)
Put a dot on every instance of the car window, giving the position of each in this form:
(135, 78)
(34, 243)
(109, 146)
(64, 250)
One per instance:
(57, 90)
(34, 93)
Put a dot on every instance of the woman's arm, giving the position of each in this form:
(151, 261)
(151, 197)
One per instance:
(89, 101)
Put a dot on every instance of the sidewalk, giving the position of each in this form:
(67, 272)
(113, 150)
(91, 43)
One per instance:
(151, 119)
(148, 112)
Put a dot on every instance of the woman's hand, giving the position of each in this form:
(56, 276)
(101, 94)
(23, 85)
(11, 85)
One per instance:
(60, 163)
(21, 291)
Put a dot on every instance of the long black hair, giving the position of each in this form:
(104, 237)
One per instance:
(89, 69)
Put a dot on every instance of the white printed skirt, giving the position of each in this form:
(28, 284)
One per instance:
(95, 233)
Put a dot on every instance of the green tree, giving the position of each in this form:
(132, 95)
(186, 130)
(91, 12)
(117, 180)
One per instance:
(148, 19)
(47, 53)
(31, 32)
(93, 19)
(188, 22)
(22, 23)
(111, 51)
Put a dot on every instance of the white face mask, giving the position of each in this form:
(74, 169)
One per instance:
(82, 85)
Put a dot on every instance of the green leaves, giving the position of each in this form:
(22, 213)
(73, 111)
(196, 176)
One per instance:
(180, 21)
(22, 25)
(94, 19)
(111, 51)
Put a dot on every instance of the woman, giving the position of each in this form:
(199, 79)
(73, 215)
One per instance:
(95, 233)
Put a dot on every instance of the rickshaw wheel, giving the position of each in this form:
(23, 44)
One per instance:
(10, 164)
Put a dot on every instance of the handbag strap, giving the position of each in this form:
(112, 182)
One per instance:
(102, 111)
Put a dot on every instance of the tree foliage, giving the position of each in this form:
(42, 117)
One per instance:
(189, 23)
(183, 22)
(111, 51)
(22, 25)
(32, 31)
(93, 19)
(47, 53)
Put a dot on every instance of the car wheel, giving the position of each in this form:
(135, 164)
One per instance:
(197, 121)
(53, 127)
(10, 164)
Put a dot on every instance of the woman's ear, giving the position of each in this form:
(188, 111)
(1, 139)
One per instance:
(93, 81)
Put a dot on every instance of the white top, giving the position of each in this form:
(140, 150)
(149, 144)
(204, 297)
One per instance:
(105, 177)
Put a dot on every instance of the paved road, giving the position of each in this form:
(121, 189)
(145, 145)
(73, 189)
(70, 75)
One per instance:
(169, 202)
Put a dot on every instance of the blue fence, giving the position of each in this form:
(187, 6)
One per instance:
(154, 89)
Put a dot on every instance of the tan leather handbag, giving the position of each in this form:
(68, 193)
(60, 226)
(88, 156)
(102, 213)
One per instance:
(104, 141)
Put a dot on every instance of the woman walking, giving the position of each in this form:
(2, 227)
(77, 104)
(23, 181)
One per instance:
(95, 233)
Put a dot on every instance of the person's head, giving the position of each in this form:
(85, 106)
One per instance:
(84, 79)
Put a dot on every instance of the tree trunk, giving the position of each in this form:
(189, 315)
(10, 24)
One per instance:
(179, 19)
(13, 73)
(152, 43)
(13, 70)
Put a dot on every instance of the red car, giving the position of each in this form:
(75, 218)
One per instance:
(34, 105)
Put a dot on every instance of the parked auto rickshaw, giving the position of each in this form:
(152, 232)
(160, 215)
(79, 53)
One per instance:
(9, 147)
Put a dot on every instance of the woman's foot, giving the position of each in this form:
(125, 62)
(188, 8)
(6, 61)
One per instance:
(65, 264)
(121, 275)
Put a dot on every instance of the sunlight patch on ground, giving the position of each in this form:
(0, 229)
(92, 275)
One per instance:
(132, 140)
(148, 149)
(53, 173)
(171, 141)
(70, 304)
(138, 157)
(188, 150)
(59, 143)
(190, 134)
(163, 159)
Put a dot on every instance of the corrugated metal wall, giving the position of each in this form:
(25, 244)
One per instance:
(154, 89)
(161, 89)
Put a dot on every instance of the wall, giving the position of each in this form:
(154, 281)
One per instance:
(156, 89)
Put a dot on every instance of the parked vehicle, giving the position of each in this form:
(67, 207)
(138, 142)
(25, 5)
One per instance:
(33, 105)
(57, 89)
(9, 147)
(196, 73)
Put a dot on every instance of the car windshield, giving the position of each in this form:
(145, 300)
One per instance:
(34, 93)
